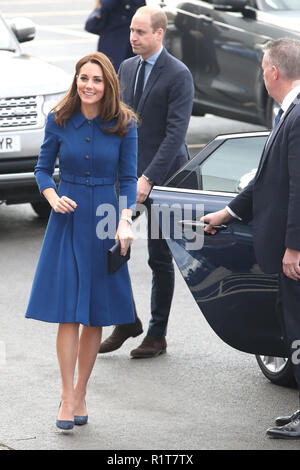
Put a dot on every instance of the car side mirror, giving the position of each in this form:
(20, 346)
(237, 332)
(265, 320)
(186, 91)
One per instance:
(245, 179)
(23, 28)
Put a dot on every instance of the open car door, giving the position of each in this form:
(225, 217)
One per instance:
(237, 299)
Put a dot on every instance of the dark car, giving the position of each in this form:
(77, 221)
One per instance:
(235, 296)
(221, 41)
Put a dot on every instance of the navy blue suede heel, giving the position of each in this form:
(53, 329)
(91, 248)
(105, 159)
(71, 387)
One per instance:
(80, 420)
(64, 424)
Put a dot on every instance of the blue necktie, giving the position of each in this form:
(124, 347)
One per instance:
(139, 85)
(277, 118)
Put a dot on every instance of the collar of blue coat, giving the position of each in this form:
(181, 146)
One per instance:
(79, 119)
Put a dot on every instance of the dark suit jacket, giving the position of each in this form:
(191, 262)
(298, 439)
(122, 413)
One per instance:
(272, 198)
(114, 39)
(165, 109)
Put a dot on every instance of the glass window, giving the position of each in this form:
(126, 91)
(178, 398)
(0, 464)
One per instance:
(227, 169)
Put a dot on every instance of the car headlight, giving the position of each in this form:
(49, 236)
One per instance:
(50, 101)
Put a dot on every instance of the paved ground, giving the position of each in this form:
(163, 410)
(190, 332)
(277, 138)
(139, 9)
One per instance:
(201, 395)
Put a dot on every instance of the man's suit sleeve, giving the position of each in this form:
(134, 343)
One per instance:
(242, 204)
(120, 80)
(180, 103)
(120, 72)
(292, 239)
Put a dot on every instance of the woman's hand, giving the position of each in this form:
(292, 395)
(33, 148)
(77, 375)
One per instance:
(124, 236)
(62, 204)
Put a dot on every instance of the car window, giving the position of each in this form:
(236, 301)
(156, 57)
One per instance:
(223, 170)
(228, 168)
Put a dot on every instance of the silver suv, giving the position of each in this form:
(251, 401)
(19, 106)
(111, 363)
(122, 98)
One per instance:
(29, 88)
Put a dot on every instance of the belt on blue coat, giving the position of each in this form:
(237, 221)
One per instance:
(87, 180)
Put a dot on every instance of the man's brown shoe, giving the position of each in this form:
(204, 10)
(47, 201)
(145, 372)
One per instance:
(150, 347)
(120, 334)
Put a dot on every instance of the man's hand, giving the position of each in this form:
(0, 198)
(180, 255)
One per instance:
(290, 264)
(215, 218)
(143, 189)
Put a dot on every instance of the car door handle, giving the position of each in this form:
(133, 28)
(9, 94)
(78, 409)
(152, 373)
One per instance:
(194, 224)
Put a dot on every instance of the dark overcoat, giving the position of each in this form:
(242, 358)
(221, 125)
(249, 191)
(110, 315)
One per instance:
(164, 110)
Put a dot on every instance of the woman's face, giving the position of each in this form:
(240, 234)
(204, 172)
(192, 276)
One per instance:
(90, 84)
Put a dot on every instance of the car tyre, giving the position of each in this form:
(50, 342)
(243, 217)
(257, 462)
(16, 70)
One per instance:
(278, 370)
(42, 209)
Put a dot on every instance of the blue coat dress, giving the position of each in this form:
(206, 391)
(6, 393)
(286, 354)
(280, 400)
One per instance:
(71, 283)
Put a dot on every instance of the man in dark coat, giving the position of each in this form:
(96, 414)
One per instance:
(160, 88)
(272, 200)
(113, 17)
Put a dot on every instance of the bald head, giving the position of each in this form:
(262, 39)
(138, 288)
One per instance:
(158, 18)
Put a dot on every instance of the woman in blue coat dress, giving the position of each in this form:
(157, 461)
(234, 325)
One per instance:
(94, 134)
(114, 37)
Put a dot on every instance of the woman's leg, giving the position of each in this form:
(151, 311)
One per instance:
(67, 352)
(89, 341)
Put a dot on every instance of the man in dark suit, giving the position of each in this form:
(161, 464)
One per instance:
(160, 89)
(272, 200)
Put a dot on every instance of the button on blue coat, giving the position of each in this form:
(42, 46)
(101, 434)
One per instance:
(71, 283)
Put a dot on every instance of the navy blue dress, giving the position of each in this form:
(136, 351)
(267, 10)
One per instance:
(71, 283)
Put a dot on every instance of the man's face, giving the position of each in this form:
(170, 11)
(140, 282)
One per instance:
(144, 41)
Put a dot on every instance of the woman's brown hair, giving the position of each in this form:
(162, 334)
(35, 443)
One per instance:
(111, 104)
